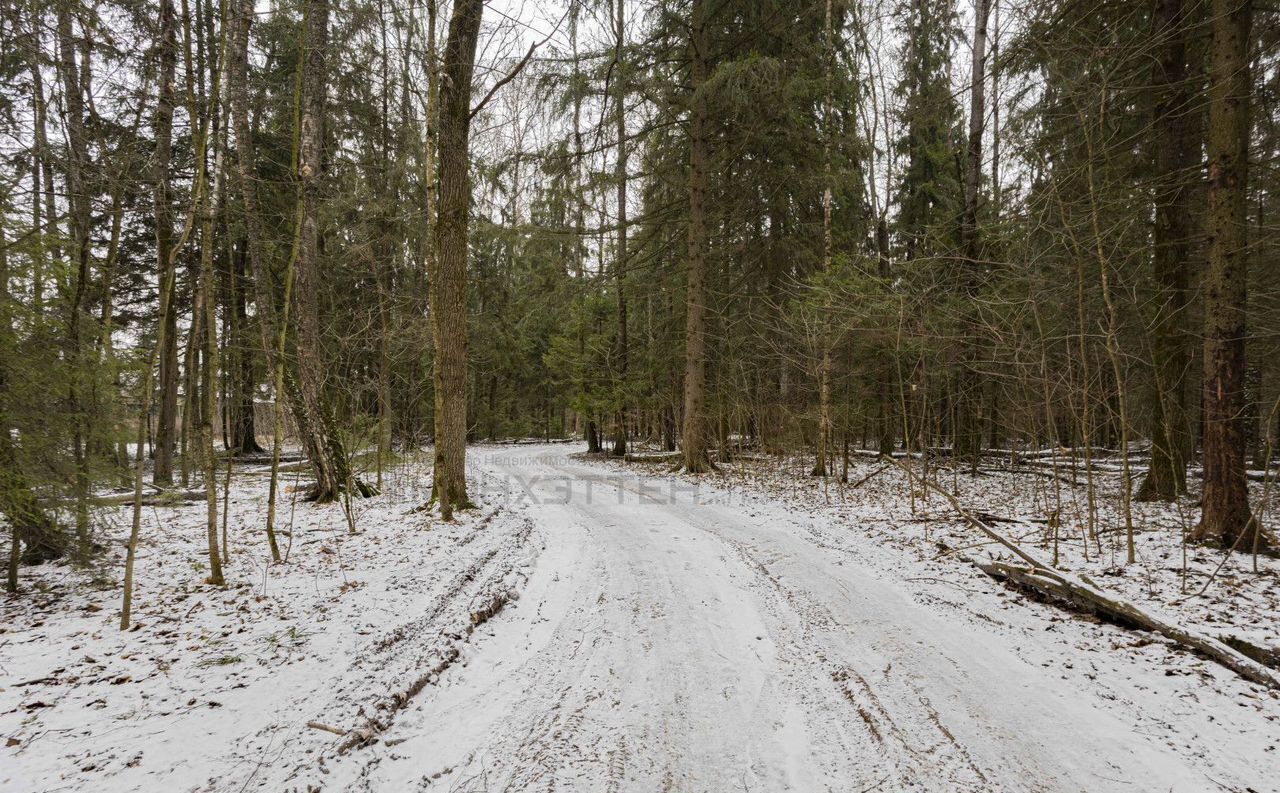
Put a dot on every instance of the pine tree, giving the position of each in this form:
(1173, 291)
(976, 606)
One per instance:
(1225, 517)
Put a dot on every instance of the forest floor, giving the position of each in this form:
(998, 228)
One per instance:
(595, 626)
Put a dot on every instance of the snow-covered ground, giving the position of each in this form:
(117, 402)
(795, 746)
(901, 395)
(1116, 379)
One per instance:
(601, 627)
(213, 688)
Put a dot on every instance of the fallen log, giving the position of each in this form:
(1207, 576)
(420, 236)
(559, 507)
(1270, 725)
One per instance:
(160, 499)
(1079, 592)
(651, 457)
(263, 457)
(1267, 656)
(870, 476)
(302, 465)
(1075, 593)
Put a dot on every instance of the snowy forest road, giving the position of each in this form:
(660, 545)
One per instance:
(670, 639)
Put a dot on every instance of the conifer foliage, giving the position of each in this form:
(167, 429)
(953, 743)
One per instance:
(350, 228)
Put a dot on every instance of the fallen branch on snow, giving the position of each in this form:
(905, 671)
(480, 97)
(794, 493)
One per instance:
(651, 457)
(870, 476)
(1082, 594)
(1076, 593)
(315, 725)
(161, 499)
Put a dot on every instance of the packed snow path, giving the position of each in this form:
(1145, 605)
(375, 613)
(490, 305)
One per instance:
(664, 643)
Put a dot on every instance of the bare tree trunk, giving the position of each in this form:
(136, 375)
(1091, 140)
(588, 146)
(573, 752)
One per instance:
(448, 293)
(386, 247)
(167, 422)
(620, 265)
(581, 421)
(209, 316)
(264, 296)
(247, 170)
(694, 440)
(995, 110)
(328, 459)
(1176, 154)
(77, 160)
(44, 218)
(967, 431)
(821, 464)
(1226, 518)
(429, 152)
(889, 367)
(244, 432)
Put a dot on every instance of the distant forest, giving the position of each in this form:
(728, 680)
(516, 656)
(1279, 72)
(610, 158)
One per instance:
(961, 230)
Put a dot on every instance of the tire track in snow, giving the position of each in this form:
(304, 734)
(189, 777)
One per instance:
(394, 668)
(717, 649)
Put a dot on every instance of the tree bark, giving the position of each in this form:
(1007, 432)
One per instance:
(889, 363)
(1081, 595)
(78, 199)
(431, 120)
(264, 299)
(821, 463)
(328, 459)
(620, 265)
(383, 264)
(40, 169)
(1176, 154)
(967, 431)
(448, 289)
(581, 420)
(1225, 516)
(694, 440)
(167, 422)
(209, 316)
(46, 229)
(244, 431)
(247, 170)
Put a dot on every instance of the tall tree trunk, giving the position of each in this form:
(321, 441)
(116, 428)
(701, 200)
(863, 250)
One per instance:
(967, 430)
(383, 265)
(620, 265)
(167, 422)
(1225, 517)
(694, 440)
(821, 463)
(1176, 153)
(250, 255)
(269, 328)
(324, 450)
(889, 362)
(448, 292)
(78, 198)
(246, 166)
(209, 316)
(431, 120)
(995, 110)
(46, 231)
(41, 174)
(579, 228)
(244, 431)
